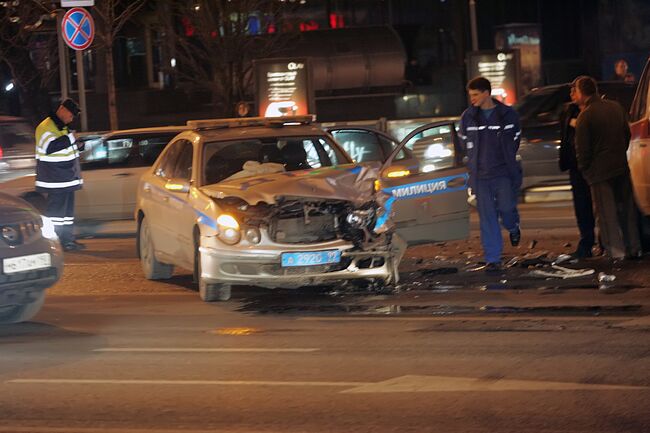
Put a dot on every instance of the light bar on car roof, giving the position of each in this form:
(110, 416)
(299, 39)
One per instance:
(241, 122)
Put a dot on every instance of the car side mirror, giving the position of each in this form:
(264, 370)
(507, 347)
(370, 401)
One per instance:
(177, 185)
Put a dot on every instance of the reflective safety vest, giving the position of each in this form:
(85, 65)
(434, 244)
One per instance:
(57, 158)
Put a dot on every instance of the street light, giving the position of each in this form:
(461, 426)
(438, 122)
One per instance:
(9, 87)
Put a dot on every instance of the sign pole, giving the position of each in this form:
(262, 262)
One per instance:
(63, 67)
(81, 86)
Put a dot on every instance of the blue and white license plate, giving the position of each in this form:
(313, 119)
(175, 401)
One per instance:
(310, 258)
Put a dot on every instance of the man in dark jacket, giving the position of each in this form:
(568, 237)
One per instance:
(582, 203)
(58, 173)
(490, 131)
(602, 138)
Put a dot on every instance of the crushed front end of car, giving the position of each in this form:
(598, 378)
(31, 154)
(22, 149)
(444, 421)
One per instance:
(291, 230)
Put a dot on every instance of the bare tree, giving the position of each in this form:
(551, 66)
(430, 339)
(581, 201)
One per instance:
(214, 42)
(28, 51)
(111, 15)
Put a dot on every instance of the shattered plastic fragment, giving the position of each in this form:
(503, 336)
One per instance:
(532, 244)
(605, 281)
(562, 258)
(561, 272)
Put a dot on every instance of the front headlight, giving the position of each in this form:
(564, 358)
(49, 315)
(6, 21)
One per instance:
(229, 231)
(47, 229)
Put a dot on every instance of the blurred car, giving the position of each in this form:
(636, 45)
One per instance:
(16, 147)
(111, 164)
(278, 203)
(539, 113)
(31, 257)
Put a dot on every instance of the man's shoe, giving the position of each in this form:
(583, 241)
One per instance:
(581, 254)
(493, 268)
(73, 246)
(515, 237)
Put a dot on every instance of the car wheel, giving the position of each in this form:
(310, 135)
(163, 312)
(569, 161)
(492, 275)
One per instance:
(22, 313)
(210, 292)
(153, 269)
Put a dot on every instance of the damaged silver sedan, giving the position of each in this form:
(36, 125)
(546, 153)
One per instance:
(277, 203)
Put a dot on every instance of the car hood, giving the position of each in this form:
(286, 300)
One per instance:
(13, 210)
(354, 183)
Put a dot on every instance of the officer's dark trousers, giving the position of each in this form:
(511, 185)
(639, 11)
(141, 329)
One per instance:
(583, 207)
(616, 216)
(496, 200)
(60, 209)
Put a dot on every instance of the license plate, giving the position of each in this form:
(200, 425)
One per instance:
(311, 258)
(26, 263)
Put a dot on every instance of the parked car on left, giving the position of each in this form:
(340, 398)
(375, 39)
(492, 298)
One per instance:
(16, 147)
(111, 165)
(31, 257)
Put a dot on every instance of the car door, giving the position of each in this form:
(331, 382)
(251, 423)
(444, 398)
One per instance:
(104, 169)
(427, 182)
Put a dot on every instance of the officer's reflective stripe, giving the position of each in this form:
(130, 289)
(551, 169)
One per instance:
(58, 184)
(517, 134)
(67, 154)
(494, 127)
(464, 137)
(45, 141)
(509, 126)
(476, 128)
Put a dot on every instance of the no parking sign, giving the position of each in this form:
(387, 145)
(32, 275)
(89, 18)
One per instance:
(78, 28)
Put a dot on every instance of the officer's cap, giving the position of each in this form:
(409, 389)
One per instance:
(71, 106)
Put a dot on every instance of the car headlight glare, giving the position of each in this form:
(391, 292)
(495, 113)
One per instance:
(229, 231)
(47, 229)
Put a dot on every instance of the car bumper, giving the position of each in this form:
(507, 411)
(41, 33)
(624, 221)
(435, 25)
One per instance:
(19, 288)
(263, 267)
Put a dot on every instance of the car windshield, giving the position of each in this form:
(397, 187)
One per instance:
(227, 160)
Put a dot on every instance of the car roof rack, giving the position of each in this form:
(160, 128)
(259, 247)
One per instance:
(242, 122)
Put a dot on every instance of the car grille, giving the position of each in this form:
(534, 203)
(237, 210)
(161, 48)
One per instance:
(295, 230)
(19, 233)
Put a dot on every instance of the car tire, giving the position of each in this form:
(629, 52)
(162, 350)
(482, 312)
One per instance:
(152, 268)
(22, 313)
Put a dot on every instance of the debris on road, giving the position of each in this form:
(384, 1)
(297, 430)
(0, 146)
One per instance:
(561, 272)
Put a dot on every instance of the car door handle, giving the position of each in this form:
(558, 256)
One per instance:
(122, 174)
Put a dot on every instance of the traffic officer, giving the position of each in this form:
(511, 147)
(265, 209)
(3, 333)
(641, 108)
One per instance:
(58, 173)
(490, 131)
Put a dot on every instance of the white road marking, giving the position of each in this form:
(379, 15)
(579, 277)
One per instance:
(467, 384)
(402, 384)
(183, 382)
(23, 429)
(206, 350)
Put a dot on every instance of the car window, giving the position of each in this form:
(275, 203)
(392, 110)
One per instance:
(641, 101)
(183, 166)
(546, 102)
(167, 163)
(362, 146)
(434, 149)
(137, 150)
(244, 158)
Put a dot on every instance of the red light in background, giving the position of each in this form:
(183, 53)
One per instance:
(336, 20)
(188, 27)
(309, 25)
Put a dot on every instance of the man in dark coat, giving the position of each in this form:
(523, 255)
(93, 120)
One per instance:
(602, 138)
(582, 203)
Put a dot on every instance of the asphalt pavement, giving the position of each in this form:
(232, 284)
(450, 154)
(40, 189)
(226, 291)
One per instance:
(450, 351)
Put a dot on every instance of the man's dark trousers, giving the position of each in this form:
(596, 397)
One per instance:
(60, 209)
(583, 207)
(617, 219)
(496, 199)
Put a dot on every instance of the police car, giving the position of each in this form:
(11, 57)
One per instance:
(277, 203)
